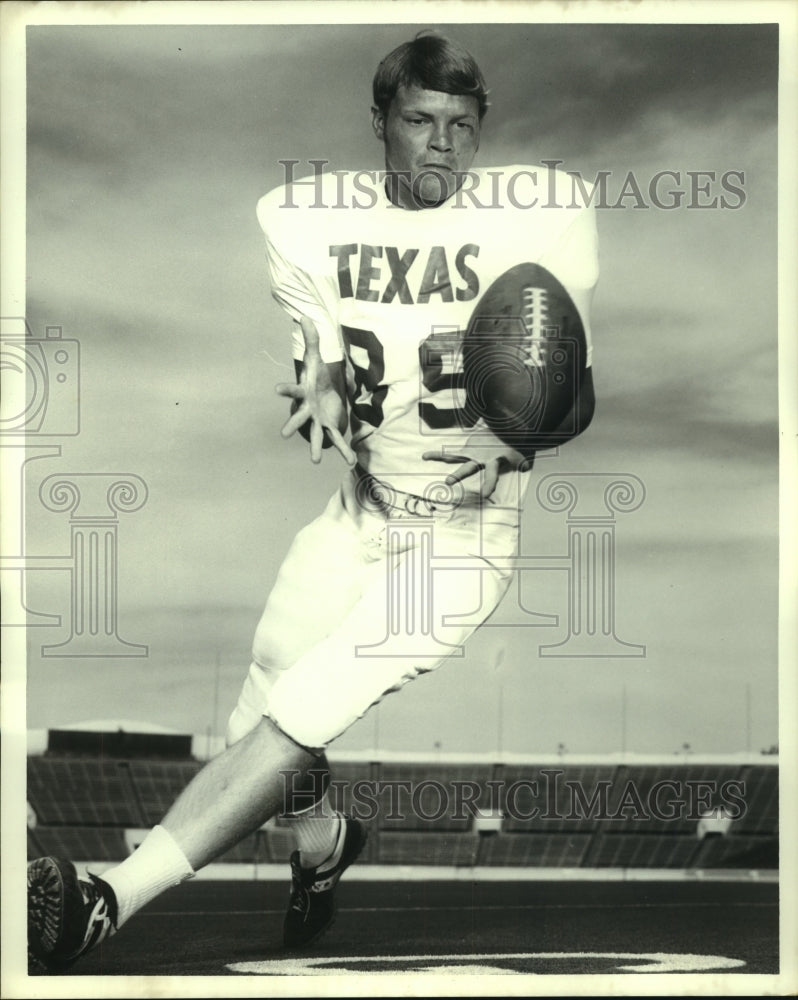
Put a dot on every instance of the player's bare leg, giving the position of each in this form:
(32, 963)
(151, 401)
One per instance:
(231, 796)
(234, 793)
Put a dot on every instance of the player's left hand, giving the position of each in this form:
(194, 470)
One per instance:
(492, 463)
(316, 401)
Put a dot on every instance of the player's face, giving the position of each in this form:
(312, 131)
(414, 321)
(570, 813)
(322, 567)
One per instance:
(429, 136)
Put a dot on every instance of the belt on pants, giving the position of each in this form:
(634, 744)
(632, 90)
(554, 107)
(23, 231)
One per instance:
(377, 496)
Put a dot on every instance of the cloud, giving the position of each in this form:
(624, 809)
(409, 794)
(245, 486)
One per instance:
(577, 85)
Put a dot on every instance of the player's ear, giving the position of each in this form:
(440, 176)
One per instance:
(378, 123)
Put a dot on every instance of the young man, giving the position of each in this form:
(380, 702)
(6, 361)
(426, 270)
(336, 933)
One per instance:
(380, 275)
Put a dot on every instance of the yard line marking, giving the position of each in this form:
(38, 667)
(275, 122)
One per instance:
(490, 963)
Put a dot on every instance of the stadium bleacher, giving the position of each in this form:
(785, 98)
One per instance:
(554, 799)
(405, 848)
(670, 795)
(75, 790)
(430, 796)
(762, 800)
(539, 850)
(575, 814)
(739, 851)
(630, 850)
(95, 843)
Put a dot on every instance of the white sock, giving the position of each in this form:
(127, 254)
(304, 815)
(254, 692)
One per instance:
(155, 865)
(319, 835)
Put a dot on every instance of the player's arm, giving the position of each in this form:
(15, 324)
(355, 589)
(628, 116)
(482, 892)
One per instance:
(318, 398)
(318, 408)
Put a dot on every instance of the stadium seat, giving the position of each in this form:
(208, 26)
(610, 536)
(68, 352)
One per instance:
(738, 852)
(535, 850)
(431, 796)
(82, 791)
(416, 848)
(629, 850)
(761, 797)
(80, 843)
(555, 799)
(672, 797)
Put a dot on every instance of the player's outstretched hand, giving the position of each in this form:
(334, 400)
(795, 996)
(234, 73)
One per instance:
(316, 400)
(492, 463)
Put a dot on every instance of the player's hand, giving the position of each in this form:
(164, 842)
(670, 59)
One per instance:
(492, 463)
(315, 399)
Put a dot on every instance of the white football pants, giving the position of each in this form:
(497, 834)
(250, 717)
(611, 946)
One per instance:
(365, 601)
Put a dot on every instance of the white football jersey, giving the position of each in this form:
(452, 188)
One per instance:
(392, 290)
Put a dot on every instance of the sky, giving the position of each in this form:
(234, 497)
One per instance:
(148, 148)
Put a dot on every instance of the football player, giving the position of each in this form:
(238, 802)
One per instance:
(379, 275)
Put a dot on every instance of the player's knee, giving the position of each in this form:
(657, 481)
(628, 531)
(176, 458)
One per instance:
(252, 704)
(270, 651)
(241, 722)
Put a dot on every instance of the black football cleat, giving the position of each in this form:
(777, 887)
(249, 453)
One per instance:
(67, 915)
(311, 910)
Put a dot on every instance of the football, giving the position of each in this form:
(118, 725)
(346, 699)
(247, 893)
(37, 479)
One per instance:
(524, 356)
